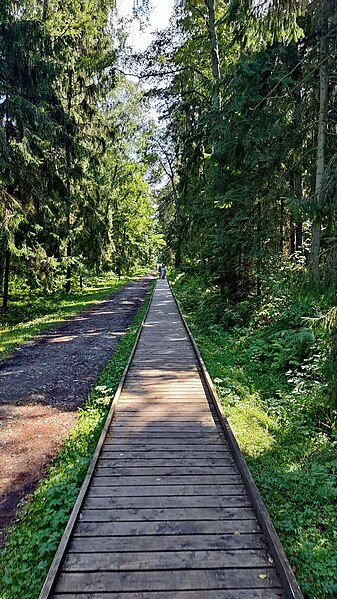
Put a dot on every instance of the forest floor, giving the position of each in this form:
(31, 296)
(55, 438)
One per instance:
(43, 384)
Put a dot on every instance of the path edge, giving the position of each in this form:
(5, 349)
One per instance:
(275, 547)
(56, 563)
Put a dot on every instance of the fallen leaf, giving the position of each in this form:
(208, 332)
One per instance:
(263, 576)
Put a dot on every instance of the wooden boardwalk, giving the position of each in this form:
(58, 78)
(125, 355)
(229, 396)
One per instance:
(167, 513)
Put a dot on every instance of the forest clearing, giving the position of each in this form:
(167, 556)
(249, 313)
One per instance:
(213, 152)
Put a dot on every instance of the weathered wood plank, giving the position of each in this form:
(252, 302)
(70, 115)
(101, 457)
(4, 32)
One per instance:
(270, 593)
(158, 450)
(168, 514)
(167, 437)
(219, 501)
(166, 490)
(187, 527)
(165, 560)
(142, 416)
(173, 580)
(165, 461)
(158, 480)
(157, 454)
(229, 542)
(164, 471)
(166, 443)
(163, 427)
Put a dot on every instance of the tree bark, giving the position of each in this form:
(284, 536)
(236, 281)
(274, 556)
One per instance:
(320, 158)
(68, 275)
(298, 177)
(281, 226)
(216, 98)
(2, 270)
(6, 280)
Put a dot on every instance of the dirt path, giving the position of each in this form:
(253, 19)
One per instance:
(44, 382)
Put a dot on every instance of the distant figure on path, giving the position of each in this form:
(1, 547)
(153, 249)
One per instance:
(162, 272)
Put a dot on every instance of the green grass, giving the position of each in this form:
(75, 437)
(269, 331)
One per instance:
(32, 542)
(267, 371)
(31, 311)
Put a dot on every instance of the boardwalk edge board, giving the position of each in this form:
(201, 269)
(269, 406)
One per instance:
(283, 568)
(56, 563)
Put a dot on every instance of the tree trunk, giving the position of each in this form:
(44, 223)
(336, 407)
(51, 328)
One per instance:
(299, 236)
(68, 185)
(292, 239)
(2, 270)
(259, 257)
(281, 226)
(45, 12)
(215, 62)
(313, 267)
(216, 99)
(298, 177)
(68, 275)
(6, 280)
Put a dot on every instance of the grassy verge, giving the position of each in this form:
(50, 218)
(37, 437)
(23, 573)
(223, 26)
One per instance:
(33, 540)
(267, 371)
(31, 311)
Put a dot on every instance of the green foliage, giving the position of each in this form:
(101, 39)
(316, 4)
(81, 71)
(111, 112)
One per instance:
(73, 186)
(269, 373)
(32, 542)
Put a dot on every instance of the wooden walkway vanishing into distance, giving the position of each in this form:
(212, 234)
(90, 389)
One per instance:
(168, 508)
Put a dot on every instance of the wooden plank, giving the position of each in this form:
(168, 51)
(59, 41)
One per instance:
(162, 580)
(165, 560)
(158, 480)
(170, 462)
(119, 459)
(165, 436)
(168, 514)
(270, 593)
(186, 502)
(195, 542)
(166, 490)
(148, 452)
(164, 471)
(172, 413)
(165, 443)
(163, 427)
(178, 402)
(181, 527)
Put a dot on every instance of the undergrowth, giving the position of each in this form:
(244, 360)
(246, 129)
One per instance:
(267, 364)
(33, 540)
(33, 310)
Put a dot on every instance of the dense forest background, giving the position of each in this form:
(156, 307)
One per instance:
(74, 179)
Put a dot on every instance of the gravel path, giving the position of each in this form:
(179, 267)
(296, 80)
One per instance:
(44, 382)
